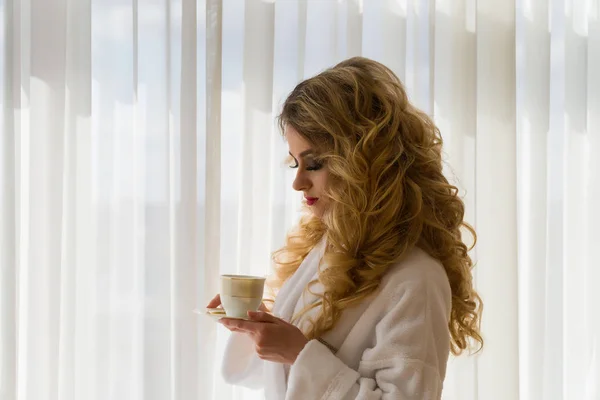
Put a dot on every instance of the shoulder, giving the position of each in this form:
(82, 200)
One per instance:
(418, 278)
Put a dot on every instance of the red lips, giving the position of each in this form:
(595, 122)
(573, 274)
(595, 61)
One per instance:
(311, 200)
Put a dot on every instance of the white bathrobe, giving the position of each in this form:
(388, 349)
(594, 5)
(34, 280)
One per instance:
(395, 345)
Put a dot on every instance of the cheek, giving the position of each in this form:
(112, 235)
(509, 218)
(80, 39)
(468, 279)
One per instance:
(320, 181)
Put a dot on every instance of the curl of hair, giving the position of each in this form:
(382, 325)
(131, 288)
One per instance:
(387, 194)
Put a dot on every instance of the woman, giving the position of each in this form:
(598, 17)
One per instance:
(374, 286)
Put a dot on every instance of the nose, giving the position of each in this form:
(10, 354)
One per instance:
(301, 182)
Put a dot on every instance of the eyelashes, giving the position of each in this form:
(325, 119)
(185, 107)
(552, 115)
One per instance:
(312, 166)
(291, 162)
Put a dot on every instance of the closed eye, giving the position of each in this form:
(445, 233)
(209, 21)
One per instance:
(291, 162)
(314, 164)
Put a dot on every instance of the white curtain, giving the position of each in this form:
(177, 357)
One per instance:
(139, 160)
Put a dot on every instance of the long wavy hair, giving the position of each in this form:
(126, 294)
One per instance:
(386, 190)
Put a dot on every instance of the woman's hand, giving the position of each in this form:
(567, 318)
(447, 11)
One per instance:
(216, 302)
(275, 339)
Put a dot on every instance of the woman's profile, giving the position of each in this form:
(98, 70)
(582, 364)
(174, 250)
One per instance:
(373, 287)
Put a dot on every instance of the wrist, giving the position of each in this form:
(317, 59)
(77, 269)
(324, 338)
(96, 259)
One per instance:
(301, 346)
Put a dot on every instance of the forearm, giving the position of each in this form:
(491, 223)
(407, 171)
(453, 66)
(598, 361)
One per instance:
(241, 366)
(318, 373)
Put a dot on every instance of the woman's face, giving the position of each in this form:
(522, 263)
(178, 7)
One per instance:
(311, 176)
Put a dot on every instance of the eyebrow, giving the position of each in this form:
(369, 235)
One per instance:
(304, 153)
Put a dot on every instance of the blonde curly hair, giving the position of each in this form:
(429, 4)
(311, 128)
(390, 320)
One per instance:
(387, 194)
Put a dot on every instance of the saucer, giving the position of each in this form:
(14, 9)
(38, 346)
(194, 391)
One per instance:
(217, 314)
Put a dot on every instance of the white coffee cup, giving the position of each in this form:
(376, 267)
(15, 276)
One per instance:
(241, 293)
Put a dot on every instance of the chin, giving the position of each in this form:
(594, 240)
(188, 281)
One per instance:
(318, 210)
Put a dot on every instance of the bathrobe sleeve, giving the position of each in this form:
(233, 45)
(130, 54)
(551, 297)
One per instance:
(241, 366)
(407, 360)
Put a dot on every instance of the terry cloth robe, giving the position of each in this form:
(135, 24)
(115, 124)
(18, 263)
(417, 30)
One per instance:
(394, 345)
